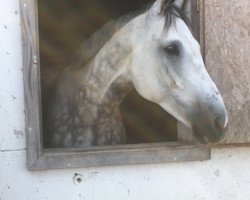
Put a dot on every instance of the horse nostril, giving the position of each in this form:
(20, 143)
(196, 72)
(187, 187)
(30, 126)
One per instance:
(219, 124)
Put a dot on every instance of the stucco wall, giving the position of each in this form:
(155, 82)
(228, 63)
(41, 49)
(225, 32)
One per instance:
(226, 176)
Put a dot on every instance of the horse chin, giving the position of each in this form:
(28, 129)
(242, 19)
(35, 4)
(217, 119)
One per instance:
(202, 136)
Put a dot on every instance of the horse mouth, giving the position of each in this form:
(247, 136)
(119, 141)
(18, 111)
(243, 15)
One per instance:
(203, 136)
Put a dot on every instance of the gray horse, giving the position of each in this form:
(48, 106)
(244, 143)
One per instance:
(154, 52)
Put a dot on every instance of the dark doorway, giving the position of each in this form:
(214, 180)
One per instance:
(65, 24)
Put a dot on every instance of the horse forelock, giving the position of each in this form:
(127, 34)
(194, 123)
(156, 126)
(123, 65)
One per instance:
(171, 12)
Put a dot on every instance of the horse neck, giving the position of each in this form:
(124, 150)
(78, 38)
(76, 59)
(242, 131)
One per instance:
(107, 79)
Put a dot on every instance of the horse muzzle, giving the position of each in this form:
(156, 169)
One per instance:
(211, 131)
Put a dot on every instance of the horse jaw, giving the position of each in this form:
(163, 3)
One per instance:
(177, 112)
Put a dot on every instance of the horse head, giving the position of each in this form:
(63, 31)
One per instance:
(168, 69)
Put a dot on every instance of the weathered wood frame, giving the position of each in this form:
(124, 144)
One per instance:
(40, 158)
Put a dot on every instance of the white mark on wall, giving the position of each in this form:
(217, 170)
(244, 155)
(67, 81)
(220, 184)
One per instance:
(13, 97)
(12, 150)
(217, 172)
(79, 178)
(94, 176)
(18, 133)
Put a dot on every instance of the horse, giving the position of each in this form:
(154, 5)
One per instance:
(154, 52)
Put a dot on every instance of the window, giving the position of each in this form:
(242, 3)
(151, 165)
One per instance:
(48, 42)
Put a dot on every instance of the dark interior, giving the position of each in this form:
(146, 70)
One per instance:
(65, 24)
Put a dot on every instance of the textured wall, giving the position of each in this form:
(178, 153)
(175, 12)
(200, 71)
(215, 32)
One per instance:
(225, 177)
(227, 42)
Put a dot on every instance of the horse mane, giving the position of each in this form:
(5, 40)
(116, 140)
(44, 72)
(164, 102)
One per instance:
(90, 47)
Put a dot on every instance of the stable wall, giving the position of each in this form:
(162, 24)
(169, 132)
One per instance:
(226, 176)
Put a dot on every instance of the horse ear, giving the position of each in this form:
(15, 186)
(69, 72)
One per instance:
(185, 6)
(159, 6)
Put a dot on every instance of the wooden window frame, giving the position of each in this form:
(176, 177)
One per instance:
(40, 158)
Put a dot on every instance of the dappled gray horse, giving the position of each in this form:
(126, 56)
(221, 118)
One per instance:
(154, 52)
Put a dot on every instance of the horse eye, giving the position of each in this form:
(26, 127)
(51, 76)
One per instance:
(172, 49)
